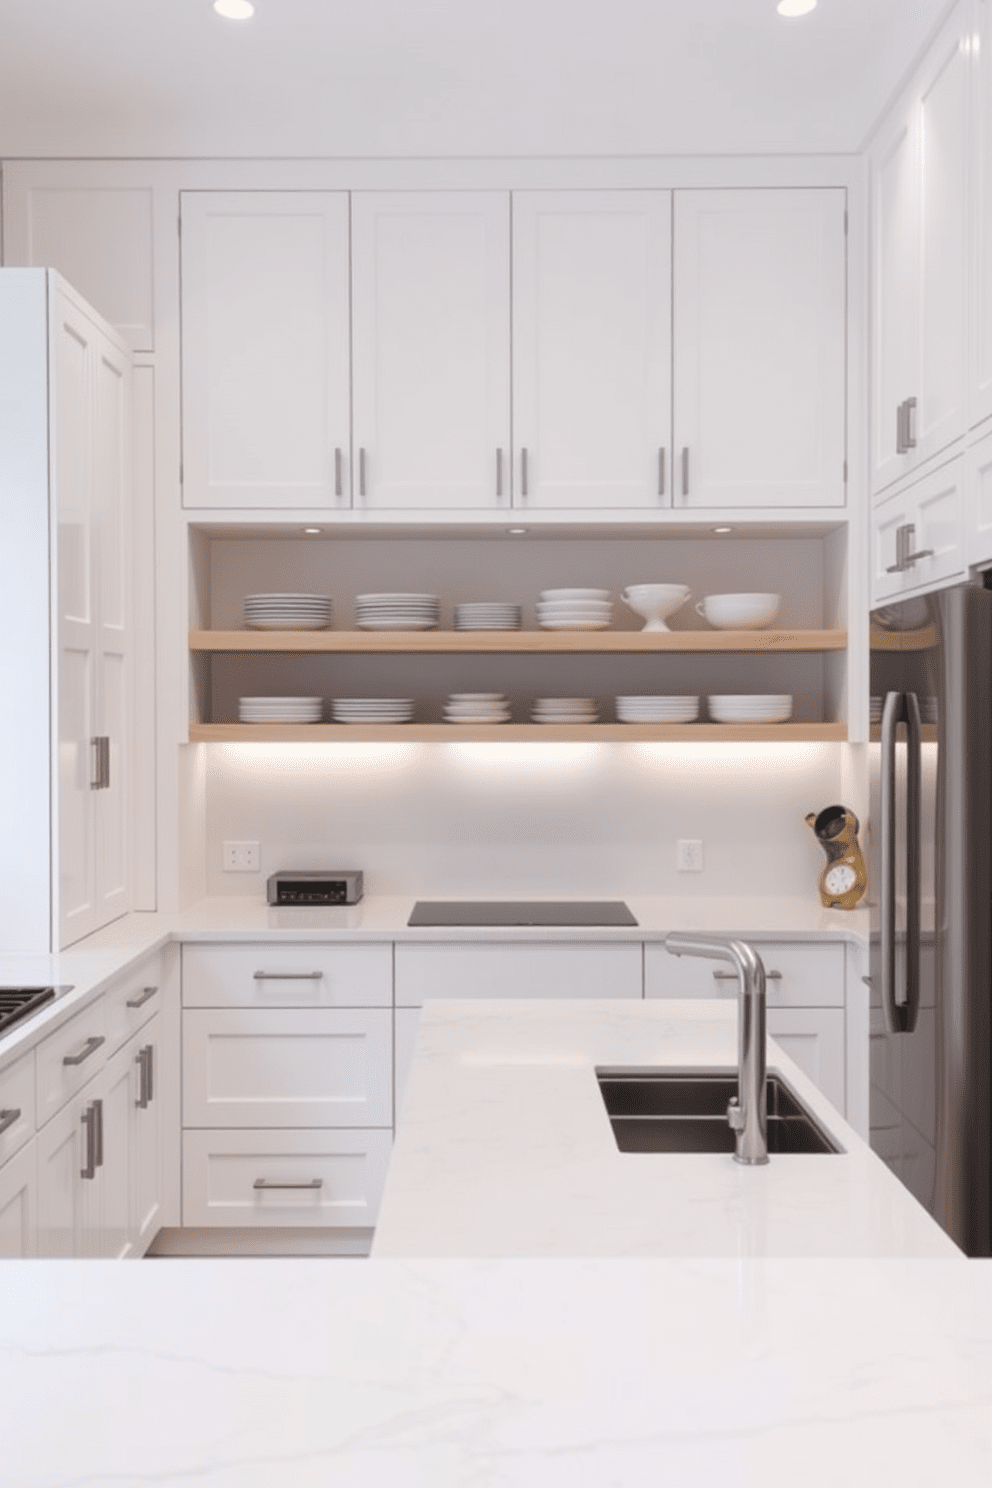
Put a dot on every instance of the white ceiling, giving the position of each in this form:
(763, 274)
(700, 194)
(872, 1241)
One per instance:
(449, 77)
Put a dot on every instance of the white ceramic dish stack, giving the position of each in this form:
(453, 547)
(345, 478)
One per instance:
(646, 709)
(564, 710)
(288, 611)
(280, 709)
(487, 615)
(477, 707)
(574, 609)
(750, 707)
(397, 611)
(372, 710)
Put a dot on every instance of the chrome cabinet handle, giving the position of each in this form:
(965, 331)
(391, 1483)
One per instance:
(88, 1170)
(523, 473)
(143, 996)
(90, 1047)
(685, 470)
(98, 1125)
(96, 776)
(901, 429)
(731, 976)
(904, 557)
(361, 471)
(288, 976)
(338, 484)
(143, 1059)
(909, 425)
(8, 1118)
(499, 474)
(661, 471)
(312, 1183)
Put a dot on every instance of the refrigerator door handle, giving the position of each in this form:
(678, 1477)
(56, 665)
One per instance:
(891, 715)
(914, 868)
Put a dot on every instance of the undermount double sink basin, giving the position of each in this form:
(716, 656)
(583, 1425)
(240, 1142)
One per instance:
(653, 1110)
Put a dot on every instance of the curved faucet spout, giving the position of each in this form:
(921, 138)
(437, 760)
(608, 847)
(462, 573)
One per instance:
(748, 1115)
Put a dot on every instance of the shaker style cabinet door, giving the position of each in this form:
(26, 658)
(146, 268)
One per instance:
(431, 362)
(917, 534)
(265, 349)
(592, 349)
(980, 320)
(759, 348)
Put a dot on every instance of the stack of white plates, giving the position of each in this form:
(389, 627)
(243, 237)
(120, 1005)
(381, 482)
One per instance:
(875, 709)
(477, 707)
(757, 707)
(372, 710)
(645, 709)
(574, 609)
(280, 709)
(288, 611)
(486, 615)
(397, 611)
(564, 710)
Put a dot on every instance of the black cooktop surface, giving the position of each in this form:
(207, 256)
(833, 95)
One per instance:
(521, 912)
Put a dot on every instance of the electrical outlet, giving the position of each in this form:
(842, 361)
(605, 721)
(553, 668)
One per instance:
(690, 855)
(241, 857)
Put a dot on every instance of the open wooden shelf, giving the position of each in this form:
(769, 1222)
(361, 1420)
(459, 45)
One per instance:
(517, 641)
(903, 640)
(447, 733)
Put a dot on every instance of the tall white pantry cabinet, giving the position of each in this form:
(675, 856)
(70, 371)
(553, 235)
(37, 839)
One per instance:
(65, 486)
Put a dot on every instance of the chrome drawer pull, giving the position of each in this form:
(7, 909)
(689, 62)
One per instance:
(142, 997)
(289, 976)
(313, 1183)
(7, 1119)
(731, 976)
(88, 1118)
(90, 1047)
(143, 1059)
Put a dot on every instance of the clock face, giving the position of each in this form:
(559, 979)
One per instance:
(840, 879)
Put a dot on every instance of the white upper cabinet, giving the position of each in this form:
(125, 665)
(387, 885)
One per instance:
(980, 379)
(919, 228)
(592, 349)
(759, 348)
(265, 349)
(431, 367)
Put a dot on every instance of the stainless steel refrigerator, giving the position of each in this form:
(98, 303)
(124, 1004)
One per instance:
(930, 895)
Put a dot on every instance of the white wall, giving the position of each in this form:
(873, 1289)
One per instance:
(468, 819)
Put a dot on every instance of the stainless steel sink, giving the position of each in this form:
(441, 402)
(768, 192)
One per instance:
(654, 1110)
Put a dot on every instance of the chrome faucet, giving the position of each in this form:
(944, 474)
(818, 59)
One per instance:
(748, 1113)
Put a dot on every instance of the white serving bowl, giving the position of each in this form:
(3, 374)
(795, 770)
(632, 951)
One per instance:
(739, 611)
(654, 602)
(750, 707)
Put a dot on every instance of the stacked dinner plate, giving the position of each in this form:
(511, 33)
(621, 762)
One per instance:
(280, 709)
(564, 710)
(574, 609)
(477, 707)
(372, 710)
(487, 615)
(397, 611)
(754, 707)
(288, 611)
(645, 709)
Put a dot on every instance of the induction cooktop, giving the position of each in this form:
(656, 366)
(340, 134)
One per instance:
(486, 912)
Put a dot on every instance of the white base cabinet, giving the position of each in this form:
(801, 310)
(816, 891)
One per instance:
(18, 1206)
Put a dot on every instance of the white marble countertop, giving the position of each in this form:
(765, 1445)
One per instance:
(498, 1374)
(504, 1148)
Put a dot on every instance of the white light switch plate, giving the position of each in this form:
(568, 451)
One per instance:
(241, 857)
(690, 855)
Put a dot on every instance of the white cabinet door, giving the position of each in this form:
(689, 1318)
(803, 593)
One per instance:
(114, 1238)
(286, 975)
(592, 349)
(68, 1182)
(978, 501)
(18, 1200)
(505, 970)
(933, 509)
(146, 1137)
(814, 1038)
(980, 318)
(265, 349)
(797, 975)
(431, 363)
(895, 277)
(759, 348)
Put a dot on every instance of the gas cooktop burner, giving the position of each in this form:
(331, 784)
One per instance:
(18, 1002)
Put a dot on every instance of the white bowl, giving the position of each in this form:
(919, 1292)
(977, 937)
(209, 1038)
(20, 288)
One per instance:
(750, 707)
(739, 611)
(654, 602)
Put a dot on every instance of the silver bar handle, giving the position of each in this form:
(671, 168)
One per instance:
(90, 1047)
(523, 473)
(288, 976)
(96, 773)
(145, 995)
(88, 1170)
(901, 429)
(311, 1183)
(8, 1118)
(106, 762)
(143, 1059)
(685, 470)
(909, 425)
(98, 1124)
(361, 471)
(661, 471)
(731, 976)
(499, 474)
(338, 481)
(891, 713)
(914, 871)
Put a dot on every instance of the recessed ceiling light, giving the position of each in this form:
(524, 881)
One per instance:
(723, 530)
(312, 531)
(517, 531)
(795, 7)
(234, 10)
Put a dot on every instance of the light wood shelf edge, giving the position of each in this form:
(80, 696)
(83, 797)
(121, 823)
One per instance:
(517, 641)
(444, 733)
(903, 640)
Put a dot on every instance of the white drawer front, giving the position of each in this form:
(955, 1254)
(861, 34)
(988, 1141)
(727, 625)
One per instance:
(84, 1043)
(542, 969)
(18, 1216)
(130, 1001)
(16, 1106)
(337, 1177)
(266, 975)
(814, 1038)
(808, 975)
(296, 1067)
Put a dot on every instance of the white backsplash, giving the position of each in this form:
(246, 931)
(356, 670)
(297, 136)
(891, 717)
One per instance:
(469, 820)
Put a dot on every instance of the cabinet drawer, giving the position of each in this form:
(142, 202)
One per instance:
(17, 1097)
(542, 969)
(134, 998)
(83, 1042)
(296, 1067)
(340, 1177)
(282, 976)
(809, 975)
